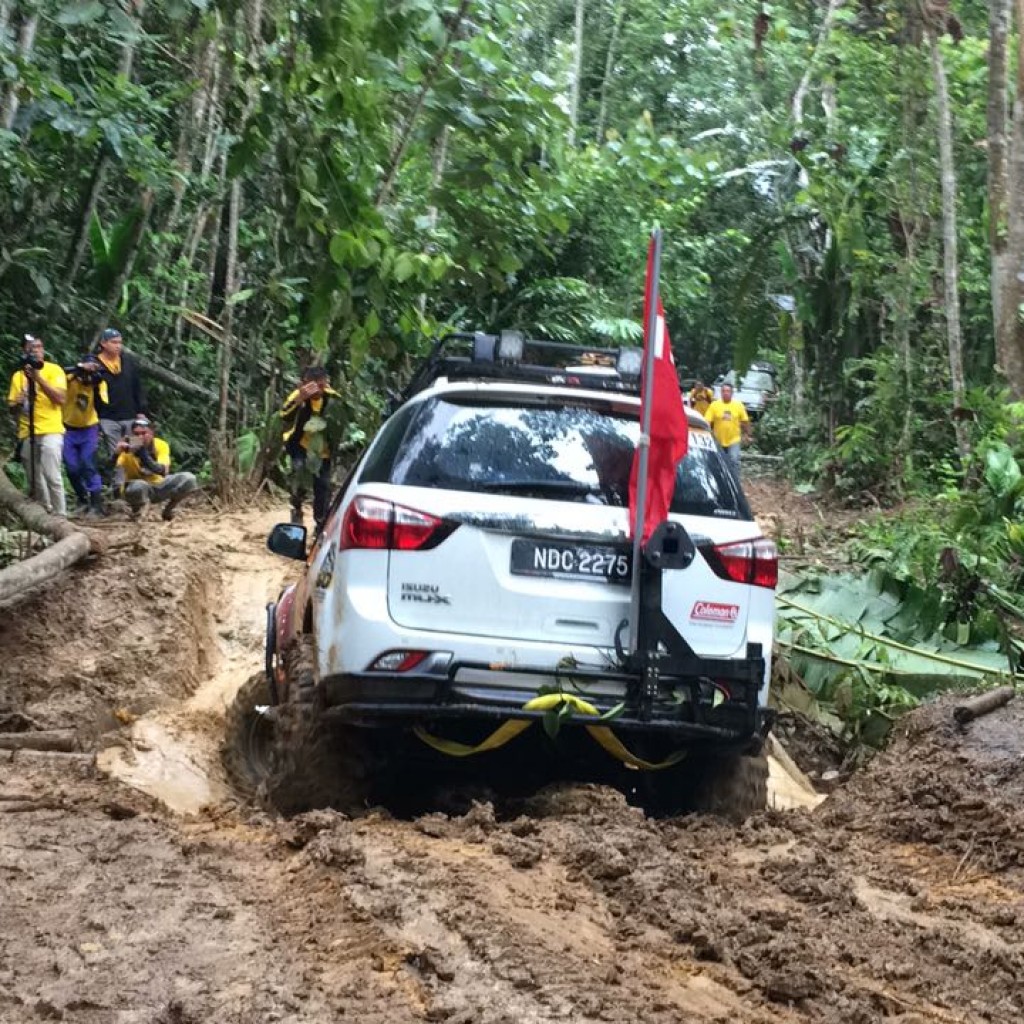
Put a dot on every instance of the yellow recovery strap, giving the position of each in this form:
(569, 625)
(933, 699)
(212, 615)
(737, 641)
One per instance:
(547, 702)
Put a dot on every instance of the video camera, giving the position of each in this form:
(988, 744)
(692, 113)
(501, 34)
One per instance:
(27, 361)
(81, 371)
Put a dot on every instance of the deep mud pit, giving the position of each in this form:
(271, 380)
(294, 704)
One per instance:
(900, 898)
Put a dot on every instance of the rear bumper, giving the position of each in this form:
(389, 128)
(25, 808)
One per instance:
(469, 692)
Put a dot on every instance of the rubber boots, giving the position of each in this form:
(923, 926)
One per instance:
(96, 508)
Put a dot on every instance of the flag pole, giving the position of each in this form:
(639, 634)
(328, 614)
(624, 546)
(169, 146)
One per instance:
(644, 444)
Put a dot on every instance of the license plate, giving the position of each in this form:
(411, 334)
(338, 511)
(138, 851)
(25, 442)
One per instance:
(570, 561)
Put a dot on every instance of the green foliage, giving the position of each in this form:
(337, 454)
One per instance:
(869, 648)
(406, 166)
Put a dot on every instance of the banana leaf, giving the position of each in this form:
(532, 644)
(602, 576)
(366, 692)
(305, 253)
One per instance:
(867, 648)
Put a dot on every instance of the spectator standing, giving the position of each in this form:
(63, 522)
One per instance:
(144, 470)
(306, 401)
(701, 397)
(36, 399)
(86, 387)
(730, 424)
(125, 398)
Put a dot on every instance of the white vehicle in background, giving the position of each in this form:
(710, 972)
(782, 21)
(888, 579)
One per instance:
(756, 388)
(475, 569)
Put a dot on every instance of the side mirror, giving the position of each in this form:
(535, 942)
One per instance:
(289, 540)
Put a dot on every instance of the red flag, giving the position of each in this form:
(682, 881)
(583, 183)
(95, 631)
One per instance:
(670, 433)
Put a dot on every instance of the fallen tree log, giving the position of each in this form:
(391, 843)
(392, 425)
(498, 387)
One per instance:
(42, 568)
(72, 544)
(32, 514)
(64, 740)
(174, 380)
(974, 707)
(54, 758)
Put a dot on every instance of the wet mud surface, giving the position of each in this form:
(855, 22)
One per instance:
(137, 888)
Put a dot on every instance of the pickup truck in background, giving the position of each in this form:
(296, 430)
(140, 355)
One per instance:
(756, 388)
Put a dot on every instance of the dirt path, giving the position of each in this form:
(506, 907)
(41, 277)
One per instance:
(900, 898)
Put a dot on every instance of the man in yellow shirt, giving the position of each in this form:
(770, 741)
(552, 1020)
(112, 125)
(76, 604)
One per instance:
(730, 423)
(36, 400)
(701, 397)
(144, 469)
(86, 386)
(305, 404)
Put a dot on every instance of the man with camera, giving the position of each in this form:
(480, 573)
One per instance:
(143, 469)
(304, 437)
(125, 399)
(36, 399)
(86, 387)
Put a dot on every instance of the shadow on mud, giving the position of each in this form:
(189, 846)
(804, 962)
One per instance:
(288, 760)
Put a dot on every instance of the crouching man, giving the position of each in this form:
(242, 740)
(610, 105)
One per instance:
(144, 469)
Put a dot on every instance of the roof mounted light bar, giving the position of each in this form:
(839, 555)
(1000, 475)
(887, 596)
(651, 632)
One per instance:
(510, 355)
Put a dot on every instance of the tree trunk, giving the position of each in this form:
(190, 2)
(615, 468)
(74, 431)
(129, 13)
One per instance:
(88, 207)
(5, 14)
(950, 263)
(904, 322)
(997, 116)
(127, 59)
(436, 176)
(26, 43)
(1009, 327)
(805, 81)
(173, 380)
(609, 68)
(228, 318)
(405, 135)
(577, 74)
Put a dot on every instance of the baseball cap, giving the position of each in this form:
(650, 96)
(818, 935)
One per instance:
(109, 334)
(142, 421)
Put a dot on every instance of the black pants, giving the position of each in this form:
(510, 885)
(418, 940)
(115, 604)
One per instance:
(321, 488)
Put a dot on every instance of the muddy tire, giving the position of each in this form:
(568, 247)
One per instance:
(731, 785)
(248, 739)
(312, 763)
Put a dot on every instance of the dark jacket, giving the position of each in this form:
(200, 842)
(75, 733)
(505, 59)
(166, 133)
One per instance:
(126, 398)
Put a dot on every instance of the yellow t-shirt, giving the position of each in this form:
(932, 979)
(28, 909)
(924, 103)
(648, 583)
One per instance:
(129, 462)
(48, 416)
(725, 419)
(80, 404)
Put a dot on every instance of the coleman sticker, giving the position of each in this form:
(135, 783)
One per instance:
(711, 611)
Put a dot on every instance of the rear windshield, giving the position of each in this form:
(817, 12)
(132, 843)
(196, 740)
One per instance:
(558, 452)
(758, 380)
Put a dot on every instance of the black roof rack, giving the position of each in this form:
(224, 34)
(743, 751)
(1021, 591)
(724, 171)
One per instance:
(479, 356)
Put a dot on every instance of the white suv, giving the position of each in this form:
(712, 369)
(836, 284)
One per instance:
(477, 559)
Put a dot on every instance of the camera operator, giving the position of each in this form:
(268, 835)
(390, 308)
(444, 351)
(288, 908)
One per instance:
(306, 401)
(143, 467)
(36, 398)
(125, 399)
(86, 387)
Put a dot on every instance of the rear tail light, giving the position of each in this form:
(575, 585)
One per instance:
(754, 562)
(398, 661)
(376, 524)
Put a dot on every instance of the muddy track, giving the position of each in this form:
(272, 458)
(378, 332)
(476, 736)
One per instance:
(140, 888)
